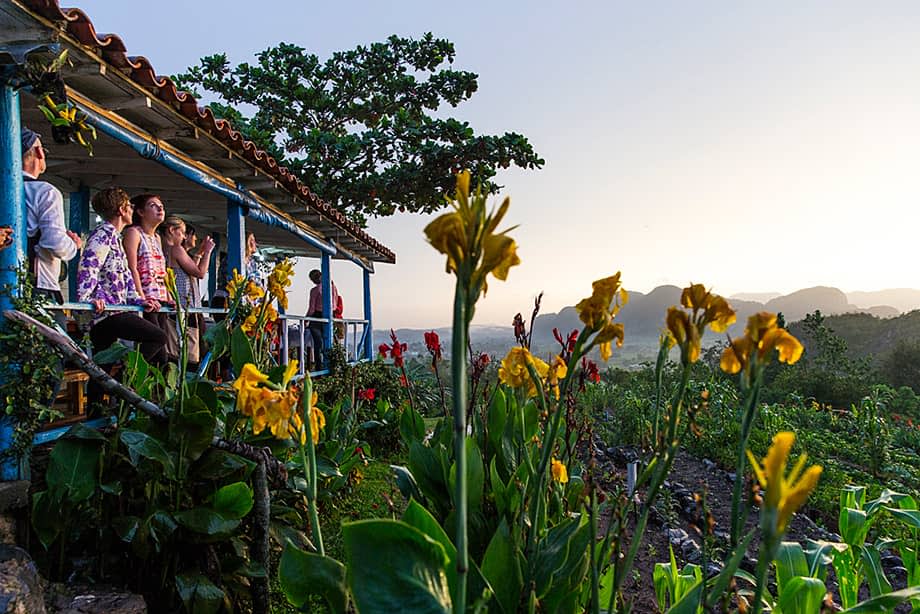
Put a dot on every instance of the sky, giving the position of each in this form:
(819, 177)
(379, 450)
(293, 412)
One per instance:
(753, 147)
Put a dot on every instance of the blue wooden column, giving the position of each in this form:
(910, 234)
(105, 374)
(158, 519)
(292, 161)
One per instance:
(327, 299)
(79, 223)
(214, 267)
(369, 327)
(13, 214)
(236, 238)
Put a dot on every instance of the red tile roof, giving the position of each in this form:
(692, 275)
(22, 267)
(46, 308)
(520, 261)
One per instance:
(112, 49)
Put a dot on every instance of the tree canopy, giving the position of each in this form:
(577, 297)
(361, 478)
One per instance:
(360, 127)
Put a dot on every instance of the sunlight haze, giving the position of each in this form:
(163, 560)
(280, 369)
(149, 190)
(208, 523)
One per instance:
(753, 148)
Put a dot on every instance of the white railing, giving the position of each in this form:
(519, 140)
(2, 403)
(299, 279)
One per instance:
(353, 339)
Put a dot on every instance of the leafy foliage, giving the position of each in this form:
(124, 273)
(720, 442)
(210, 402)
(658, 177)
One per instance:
(361, 128)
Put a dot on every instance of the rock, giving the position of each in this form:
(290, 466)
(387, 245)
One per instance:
(20, 584)
(898, 577)
(708, 464)
(730, 476)
(14, 495)
(713, 569)
(92, 600)
(689, 547)
(676, 536)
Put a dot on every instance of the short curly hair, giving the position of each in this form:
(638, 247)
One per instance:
(109, 202)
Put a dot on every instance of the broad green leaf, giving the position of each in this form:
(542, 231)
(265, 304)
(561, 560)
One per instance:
(218, 339)
(501, 567)
(498, 414)
(819, 555)
(853, 526)
(910, 517)
(475, 475)
(81, 431)
(240, 349)
(125, 527)
(143, 445)
(206, 521)
(872, 564)
(302, 574)
(233, 500)
(199, 594)
(73, 469)
(789, 563)
(411, 426)
(394, 567)
(561, 558)
(217, 464)
(406, 483)
(196, 427)
(884, 603)
(801, 594)
(46, 517)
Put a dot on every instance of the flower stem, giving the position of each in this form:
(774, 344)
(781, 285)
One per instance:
(747, 422)
(458, 370)
(308, 458)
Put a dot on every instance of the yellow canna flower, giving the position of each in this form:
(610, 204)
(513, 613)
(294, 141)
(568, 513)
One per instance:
(467, 237)
(235, 283)
(761, 337)
(317, 419)
(702, 308)
(784, 492)
(170, 282)
(560, 473)
(279, 280)
(605, 301)
(513, 371)
(246, 386)
(554, 373)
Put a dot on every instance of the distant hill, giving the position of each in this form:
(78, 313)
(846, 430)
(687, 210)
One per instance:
(643, 319)
(757, 297)
(902, 299)
(867, 335)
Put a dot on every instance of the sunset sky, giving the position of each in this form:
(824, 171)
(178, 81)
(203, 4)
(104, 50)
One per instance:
(751, 147)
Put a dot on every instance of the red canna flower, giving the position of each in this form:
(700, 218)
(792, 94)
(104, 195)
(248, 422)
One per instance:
(403, 381)
(366, 394)
(433, 343)
(591, 372)
(395, 350)
(520, 330)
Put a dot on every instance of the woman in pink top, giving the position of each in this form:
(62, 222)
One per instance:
(145, 255)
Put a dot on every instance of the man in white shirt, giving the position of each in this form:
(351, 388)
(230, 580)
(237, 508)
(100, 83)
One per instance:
(49, 240)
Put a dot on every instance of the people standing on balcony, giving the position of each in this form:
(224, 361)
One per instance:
(104, 278)
(189, 269)
(255, 263)
(146, 259)
(315, 310)
(49, 242)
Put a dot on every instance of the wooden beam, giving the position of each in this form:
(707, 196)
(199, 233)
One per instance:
(168, 134)
(89, 69)
(131, 102)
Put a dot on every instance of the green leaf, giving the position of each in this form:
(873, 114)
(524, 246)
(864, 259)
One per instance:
(872, 564)
(206, 521)
(141, 445)
(910, 517)
(200, 595)
(789, 563)
(47, 519)
(411, 426)
(304, 573)
(406, 483)
(853, 526)
(196, 428)
(884, 603)
(81, 431)
(475, 475)
(73, 469)
(112, 354)
(501, 567)
(125, 527)
(561, 561)
(240, 349)
(393, 566)
(233, 500)
(498, 413)
(801, 594)
(217, 464)
(218, 339)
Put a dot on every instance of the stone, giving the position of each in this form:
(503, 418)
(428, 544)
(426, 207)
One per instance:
(20, 585)
(14, 495)
(713, 569)
(688, 547)
(69, 599)
(676, 536)
(708, 464)
(7, 529)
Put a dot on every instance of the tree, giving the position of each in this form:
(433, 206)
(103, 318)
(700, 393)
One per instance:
(358, 129)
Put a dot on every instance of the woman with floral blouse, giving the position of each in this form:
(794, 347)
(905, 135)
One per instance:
(103, 278)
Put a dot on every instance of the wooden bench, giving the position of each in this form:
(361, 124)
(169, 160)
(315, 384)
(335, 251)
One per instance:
(71, 399)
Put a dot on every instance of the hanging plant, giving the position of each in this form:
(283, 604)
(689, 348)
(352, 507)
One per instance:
(68, 124)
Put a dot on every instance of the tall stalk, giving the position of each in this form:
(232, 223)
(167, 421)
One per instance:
(749, 414)
(458, 344)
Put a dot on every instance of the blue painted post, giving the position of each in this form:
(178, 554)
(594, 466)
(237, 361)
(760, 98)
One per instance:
(13, 214)
(327, 300)
(214, 267)
(79, 223)
(236, 238)
(369, 327)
